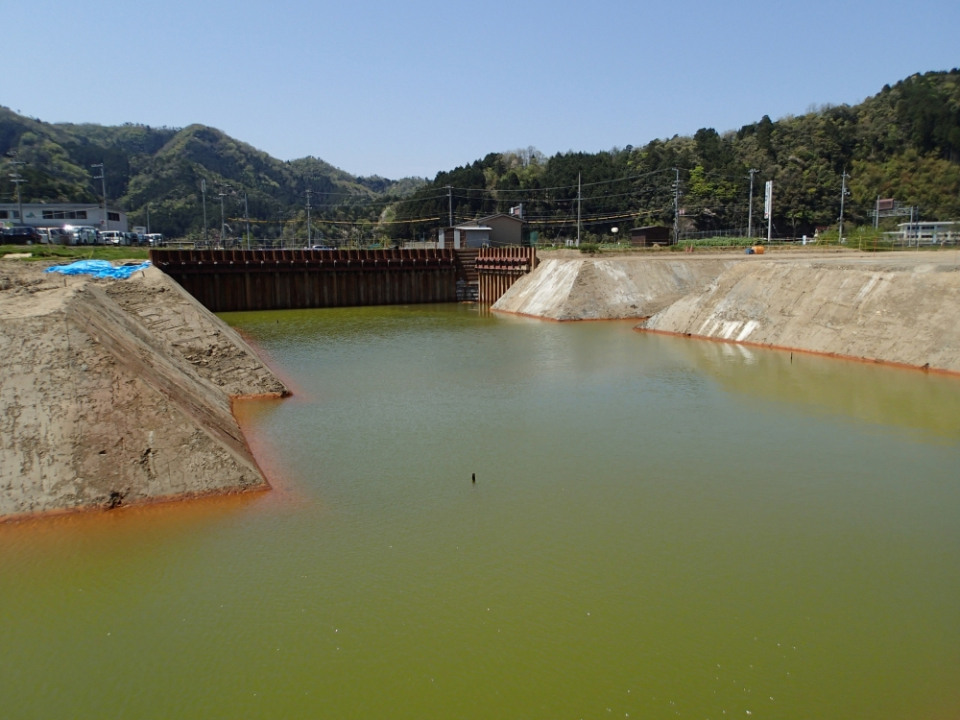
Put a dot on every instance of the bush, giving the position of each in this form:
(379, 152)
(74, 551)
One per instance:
(589, 248)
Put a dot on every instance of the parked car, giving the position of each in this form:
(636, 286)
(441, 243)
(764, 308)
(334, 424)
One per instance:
(153, 239)
(113, 237)
(132, 238)
(82, 234)
(21, 235)
(59, 236)
(321, 247)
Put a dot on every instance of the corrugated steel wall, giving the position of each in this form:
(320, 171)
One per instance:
(499, 268)
(229, 280)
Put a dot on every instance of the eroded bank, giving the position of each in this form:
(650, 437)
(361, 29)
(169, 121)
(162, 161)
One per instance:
(902, 309)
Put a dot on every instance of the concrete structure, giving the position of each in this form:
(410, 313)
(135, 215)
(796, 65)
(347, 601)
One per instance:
(60, 214)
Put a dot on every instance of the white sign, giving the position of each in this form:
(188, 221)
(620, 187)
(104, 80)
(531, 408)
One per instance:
(768, 201)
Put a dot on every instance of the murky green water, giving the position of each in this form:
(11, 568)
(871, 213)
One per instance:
(660, 528)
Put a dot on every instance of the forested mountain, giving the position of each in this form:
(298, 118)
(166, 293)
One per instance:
(165, 166)
(902, 143)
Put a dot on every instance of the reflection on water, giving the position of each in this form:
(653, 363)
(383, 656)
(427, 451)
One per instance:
(867, 392)
(660, 528)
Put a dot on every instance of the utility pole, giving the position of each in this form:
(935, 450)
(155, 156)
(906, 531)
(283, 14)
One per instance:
(579, 195)
(203, 191)
(223, 220)
(676, 207)
(876, 214)
(750, 208)
(450, 202)
(280, 222)
(17, 179)
(102, 177)
(843, 196)
(246, 217)
(309, 233)
(148, 218)
(768, 209)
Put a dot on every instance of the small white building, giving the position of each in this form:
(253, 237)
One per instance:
(469, 235)
(930, 232)
(60, 214)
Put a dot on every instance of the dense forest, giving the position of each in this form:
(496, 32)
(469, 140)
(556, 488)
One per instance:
(903, 143)
(165, 169)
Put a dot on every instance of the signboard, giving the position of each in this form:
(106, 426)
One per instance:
(768, 200)
(885, 204)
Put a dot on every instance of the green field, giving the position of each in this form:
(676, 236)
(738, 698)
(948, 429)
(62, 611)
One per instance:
(63, 252)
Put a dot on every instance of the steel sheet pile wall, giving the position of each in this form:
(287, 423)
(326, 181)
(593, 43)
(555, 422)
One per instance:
(229, 280)
(499, 268)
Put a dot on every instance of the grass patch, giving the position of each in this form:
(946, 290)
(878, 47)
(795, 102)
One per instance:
(66, 252)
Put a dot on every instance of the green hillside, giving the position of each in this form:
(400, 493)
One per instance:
(902, 143)
(164, 167)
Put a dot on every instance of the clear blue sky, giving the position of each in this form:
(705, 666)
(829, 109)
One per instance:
(410, 88)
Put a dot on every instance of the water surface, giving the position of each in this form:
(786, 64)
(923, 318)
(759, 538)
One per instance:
(660, 528)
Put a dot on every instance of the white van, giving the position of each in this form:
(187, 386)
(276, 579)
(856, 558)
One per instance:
(60, 236)
(113, 237)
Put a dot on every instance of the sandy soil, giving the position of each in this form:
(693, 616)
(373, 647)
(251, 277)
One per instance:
(901, 308)
(584, 288)
(117, 392)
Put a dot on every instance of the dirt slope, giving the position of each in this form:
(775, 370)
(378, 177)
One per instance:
(601, 289)
(902, 310)
(100, 408)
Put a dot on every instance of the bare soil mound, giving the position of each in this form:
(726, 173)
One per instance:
(896, 310)
(110, 395)
(606, 289)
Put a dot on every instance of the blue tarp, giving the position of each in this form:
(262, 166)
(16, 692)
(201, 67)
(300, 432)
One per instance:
(99, 269)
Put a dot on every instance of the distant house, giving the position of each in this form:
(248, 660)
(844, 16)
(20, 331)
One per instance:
(498, 230)
(504, 229)
(468, 235)
(648, 236)
(474, 235)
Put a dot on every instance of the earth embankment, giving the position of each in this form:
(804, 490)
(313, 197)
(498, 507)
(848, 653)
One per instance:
(607, 289)
(118, 392)
(901, 309)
